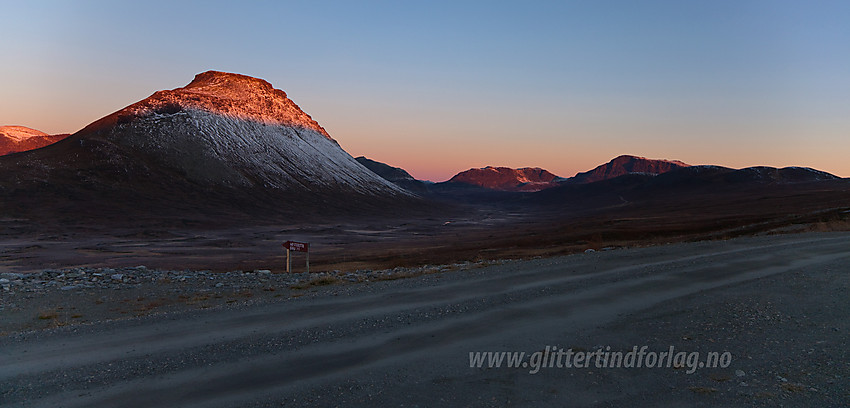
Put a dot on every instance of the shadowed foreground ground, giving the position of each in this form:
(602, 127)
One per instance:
(777, 304)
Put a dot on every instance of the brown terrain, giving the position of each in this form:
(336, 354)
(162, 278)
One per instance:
(507, 179)
(626, 164)
(15, 139)
(180, 203)
(208, 177)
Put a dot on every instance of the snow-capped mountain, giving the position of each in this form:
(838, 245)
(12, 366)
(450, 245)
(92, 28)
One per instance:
(15, 139)
(235, 130)
(507, 179)
(223, 138)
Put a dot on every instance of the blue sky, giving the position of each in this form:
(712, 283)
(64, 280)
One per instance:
(439, 87)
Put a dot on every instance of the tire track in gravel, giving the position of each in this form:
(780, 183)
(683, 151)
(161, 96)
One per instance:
(529, 295)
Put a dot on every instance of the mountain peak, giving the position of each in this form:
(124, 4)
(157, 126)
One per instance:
(627, 164)
(20, 133)
(626, 158)
(384, 170)
(15, 139)
(218, 82)
(507, 179)
(223, 142)
(228, 94)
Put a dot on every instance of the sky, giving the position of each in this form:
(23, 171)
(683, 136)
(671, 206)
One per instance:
(438, 87)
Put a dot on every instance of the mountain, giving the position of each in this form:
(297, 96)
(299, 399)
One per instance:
(697, 202)
(395, 175)
(384, 170)
(15, 139)
(532, 179)
(687, 183)
(507, 179)
(225, 142)
(720, 177)
(626, 164)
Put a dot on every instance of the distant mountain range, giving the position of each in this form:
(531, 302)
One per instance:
(14, 139)
(637, 168)
(228, 146)
(536, 179)
(683, 181)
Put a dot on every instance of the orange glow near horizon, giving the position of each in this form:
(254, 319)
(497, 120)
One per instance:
(563, 86)
(439, 158)
(425, 170)
(430, 152)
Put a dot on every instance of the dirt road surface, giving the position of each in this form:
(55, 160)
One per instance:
(777, 304)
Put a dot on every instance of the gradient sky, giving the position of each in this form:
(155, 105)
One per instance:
(439, 87)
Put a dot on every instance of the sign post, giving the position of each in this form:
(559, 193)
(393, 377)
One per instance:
(299, 247)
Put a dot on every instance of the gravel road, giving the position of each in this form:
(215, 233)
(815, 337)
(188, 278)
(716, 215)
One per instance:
(777, 304)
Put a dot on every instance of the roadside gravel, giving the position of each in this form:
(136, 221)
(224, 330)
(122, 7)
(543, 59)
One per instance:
(55, 298)
(777, 304)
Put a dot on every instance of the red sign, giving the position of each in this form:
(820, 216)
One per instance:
(297, 246)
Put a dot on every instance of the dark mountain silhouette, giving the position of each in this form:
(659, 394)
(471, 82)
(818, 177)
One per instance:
(685, 183)
(395, 175)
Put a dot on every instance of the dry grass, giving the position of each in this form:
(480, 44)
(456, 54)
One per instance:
(703, 390)
(396, 276)
(151, 305)
(51, 317)
(720, 378)
(195, 299)
(790, 387)
(244, 294)
(51, 314)
(830, 226)
(323, 280)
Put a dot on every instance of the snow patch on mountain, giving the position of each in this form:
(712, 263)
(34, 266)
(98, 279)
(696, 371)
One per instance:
(229, 94)
(14, 139)
(506, 179)
(20, 133)
(212, 148)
